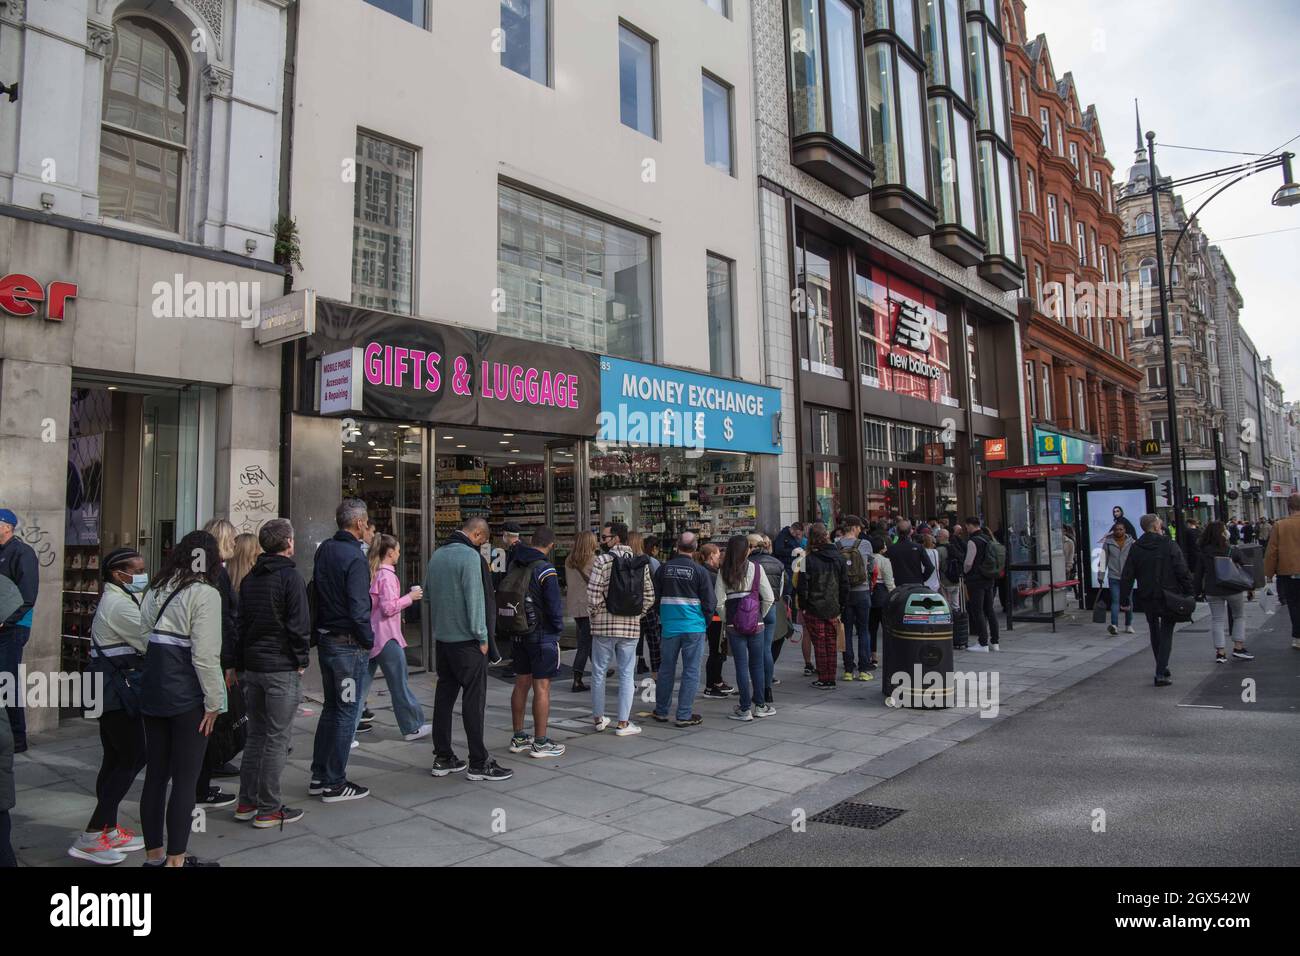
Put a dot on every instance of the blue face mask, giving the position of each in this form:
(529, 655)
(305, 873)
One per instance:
(803, 542)
(138, 583)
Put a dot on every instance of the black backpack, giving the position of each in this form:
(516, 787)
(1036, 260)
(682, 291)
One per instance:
(626, 597)
(822, 596)
(513, 619)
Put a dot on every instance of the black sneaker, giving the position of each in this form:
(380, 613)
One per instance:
(658, 719)
(712, 693)
(1163, 681)
(642, 668)
(367, 714)
(692, 721)
(189, 861)
(314, 788)
(347, 790)
(365, 728)
(217, 799)
(1242, 655)
(824, 684)
(491, 771)
(442, 766)
(227, 769)
(727, 689)
(809, 671)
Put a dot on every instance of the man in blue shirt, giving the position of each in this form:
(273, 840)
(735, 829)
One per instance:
(537, 654)
(18, 564)
(684, 596)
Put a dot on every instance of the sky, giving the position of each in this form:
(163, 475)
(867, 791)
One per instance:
(1215, 75)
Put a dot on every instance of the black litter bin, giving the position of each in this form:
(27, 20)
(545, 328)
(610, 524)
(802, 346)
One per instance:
(917, 660)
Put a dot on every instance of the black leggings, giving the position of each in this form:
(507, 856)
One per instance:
(175, 747)
(713, 663)
(122, 738)
(873, 625)
(584, 647)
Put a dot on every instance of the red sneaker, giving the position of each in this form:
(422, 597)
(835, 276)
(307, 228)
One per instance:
(245, 812)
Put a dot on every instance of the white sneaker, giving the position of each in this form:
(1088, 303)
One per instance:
(95, 847)
(995, 647)
(1295, 644)
(764, 710)
(424, 731)
(739, 714)
(979, 648)
(1129, 629)
(601, 723)
(354, 745)
(627, 731)
(1112, 629)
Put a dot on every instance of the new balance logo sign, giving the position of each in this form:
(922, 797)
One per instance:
(77, 909)
(913, 329)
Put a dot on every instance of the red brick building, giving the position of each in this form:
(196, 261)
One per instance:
(1079, 379)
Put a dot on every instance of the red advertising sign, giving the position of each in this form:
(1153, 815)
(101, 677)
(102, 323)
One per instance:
(1037, 471)
(995, 449)
(19, 295)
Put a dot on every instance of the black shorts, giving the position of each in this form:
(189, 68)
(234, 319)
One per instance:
(540, 659)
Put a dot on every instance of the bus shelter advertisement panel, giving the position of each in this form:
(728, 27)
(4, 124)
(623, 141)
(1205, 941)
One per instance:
(1106, 507)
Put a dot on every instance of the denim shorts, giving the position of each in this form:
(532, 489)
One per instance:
(541, 659)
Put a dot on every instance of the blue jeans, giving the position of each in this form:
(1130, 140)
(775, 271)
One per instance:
(769, 664)
(603, 650)
(748, 653)
(407, 709)
(857, 618)
(691, 647)
(1114, 606)
(341, 660)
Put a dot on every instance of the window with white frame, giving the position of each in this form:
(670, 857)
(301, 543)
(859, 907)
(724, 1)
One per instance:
(1074, 157)
(1047, 392)
(1155, 376)
(144, 137)
(1031, 191)
(1045, 121)
(1080, 407)
(1053, 226)
(1030, 391)
(383, 228)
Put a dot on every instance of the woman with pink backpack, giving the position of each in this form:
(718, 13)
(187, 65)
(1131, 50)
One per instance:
(744, 598)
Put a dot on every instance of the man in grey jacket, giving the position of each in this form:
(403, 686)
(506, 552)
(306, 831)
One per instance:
(856, 615)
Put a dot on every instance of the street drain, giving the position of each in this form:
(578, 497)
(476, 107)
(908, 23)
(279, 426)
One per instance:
(863, 816)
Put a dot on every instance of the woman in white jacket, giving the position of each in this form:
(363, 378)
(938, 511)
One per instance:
(736, 579)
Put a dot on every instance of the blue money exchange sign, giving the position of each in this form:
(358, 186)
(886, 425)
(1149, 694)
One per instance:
(652, 405)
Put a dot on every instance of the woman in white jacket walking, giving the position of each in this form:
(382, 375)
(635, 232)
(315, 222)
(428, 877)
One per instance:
(736, 581)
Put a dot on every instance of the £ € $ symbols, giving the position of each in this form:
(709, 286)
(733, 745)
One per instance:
(727, 430)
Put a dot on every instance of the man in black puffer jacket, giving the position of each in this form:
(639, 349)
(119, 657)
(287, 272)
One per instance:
(1156, 563)
(272, 648)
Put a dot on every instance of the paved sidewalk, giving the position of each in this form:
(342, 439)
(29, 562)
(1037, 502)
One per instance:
(665, 797)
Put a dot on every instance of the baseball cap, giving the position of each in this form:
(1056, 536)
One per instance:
(8, 517)
(511, 527)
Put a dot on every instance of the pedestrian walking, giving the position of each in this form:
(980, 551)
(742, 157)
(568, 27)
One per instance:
(1282, 563)
(577, 575)
(537, 647)
(18, 564)
(822, 591)
(8, 792)
(182, 692)
(685, 595)
(710, 558)
(387, 603)
(984, 565)
(117, 646)
(273, 649)
(744, 596)
(882, 583)
(651, 635)
(911, 563)
(1163, 585)
(856, 614)
(1115, 549)
(619, 594)
(456, 585)
(205, 794)
(777, 619)
(343, 639)
(1224, 582)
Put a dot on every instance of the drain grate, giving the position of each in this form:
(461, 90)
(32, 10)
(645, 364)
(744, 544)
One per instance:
(863, 816)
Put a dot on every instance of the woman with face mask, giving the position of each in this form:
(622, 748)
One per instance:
(116, 656)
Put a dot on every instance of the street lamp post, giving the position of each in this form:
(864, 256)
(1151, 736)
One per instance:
(1287, 195)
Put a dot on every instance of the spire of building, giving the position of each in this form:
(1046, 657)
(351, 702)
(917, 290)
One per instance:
(1141, 149)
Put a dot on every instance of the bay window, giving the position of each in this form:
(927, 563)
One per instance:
(899, 145)
(828, 135)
